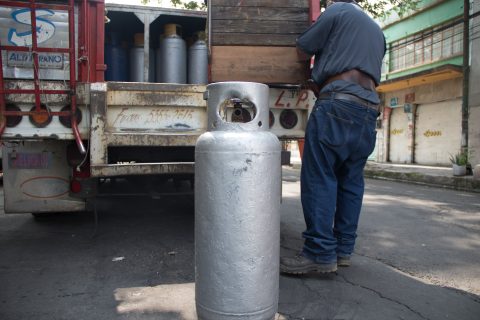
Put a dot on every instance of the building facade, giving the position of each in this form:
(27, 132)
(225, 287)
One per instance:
(474, 84)
(422, 87)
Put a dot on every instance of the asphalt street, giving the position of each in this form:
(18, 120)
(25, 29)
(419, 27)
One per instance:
(417, 257)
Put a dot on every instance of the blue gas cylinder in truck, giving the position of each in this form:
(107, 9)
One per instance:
(116, 58)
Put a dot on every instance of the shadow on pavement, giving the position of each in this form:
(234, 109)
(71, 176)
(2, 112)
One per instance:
(139, 264)
(380, 283)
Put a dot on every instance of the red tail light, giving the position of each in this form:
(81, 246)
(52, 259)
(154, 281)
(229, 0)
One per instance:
(80, 168)
(42, 118)
(75, 186)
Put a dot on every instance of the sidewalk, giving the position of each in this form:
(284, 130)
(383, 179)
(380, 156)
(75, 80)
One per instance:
(424, 175)
(410, 173)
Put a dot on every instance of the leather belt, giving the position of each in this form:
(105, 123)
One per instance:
(353, 76)
(347, 97)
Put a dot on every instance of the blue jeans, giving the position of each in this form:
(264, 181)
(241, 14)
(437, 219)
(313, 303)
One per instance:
(340, 136)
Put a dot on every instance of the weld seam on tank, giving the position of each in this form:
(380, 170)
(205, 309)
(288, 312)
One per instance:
(237, 314)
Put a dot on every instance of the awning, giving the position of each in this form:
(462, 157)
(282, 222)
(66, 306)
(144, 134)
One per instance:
(436, 74)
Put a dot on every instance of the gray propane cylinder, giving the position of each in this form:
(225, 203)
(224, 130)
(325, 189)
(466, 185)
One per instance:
(173, 52)
(237, 208)
(198, 61)
(158, 63)
(137, 59)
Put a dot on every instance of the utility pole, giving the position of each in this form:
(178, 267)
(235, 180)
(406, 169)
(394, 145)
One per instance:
(466, 71)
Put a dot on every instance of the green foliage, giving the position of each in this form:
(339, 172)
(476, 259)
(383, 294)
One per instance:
(190, 5)
(377, 8)
(380, 8)
(461, 158)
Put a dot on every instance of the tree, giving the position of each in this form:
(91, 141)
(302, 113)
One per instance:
(191, 5)
(376, 8)
(381, 8)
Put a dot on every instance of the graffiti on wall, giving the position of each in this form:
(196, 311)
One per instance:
(396, 132)
(432, 133)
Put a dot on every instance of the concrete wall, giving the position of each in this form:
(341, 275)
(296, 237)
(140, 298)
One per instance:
(434, 92)
(474, 88)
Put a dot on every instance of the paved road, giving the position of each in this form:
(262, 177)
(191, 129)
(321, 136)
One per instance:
(417, 258)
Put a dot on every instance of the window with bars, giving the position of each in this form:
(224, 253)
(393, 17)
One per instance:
(431, 45)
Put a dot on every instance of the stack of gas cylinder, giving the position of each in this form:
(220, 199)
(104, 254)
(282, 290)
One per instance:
(171, 62)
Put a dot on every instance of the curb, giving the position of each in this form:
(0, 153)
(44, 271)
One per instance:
(466, 183)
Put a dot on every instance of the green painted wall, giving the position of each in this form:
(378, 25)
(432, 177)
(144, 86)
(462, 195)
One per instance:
(436, 12)
(432, 13)
(455, 61)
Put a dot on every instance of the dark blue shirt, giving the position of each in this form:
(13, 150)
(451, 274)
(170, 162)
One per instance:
(345, 38)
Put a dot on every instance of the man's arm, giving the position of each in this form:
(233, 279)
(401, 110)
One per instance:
(314, 38)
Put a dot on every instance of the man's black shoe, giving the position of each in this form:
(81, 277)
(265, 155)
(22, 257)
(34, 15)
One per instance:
(301, 265)
(343, 261)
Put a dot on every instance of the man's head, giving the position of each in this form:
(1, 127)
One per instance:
(330, 2)
(348, 1)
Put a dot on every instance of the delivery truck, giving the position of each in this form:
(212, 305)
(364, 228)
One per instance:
(92, 92)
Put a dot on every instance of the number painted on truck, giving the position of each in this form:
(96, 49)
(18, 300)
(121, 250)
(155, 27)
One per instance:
(290, 98)
(158, 115)
(125, 118)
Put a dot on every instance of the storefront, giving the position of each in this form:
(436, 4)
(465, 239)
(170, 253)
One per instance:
(422, 118)
(437, 132)
(399, 149)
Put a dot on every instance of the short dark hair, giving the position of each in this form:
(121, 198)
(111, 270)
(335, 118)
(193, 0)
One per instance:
(326, 3)
(347, 1)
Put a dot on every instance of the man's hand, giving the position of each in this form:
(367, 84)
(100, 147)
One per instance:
(302, 56)
(311, 85)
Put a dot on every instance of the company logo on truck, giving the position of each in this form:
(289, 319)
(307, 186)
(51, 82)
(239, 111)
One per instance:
(45, 30)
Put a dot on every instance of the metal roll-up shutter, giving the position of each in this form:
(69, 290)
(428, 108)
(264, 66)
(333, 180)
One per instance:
(438, 132)
(398, 146)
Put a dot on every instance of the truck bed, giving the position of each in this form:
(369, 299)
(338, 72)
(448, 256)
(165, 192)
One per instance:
(144, 116)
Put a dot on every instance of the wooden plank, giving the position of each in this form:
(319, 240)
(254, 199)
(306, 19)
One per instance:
(261, 3)
(259, 26)
(260, 13)
(257, 64)
(242, 39)
(258, 22)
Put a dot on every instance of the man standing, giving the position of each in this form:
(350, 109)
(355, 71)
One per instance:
(348, 47)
